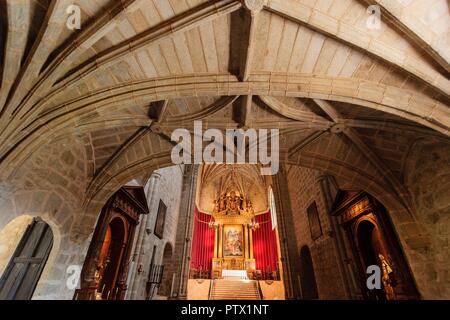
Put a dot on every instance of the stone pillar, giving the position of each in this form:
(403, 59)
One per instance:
(338, 241)
(137, 281)
(290, 255)
(183, 242)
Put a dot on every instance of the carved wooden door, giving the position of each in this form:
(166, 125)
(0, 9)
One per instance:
(22, 274)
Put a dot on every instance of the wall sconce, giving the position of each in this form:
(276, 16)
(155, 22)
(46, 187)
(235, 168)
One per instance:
(213, 225)
(253, 225)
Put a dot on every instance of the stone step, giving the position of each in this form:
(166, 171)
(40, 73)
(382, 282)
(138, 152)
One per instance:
(232, 289)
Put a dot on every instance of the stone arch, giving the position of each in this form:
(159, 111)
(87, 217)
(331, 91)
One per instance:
(307, 275)
(88, 214)
(415, 107)
(122, 172)
(167, 252)
(164, 289)
(364, 230)
(10, 236)
(413, 238)
(426, 176)
(117, 235)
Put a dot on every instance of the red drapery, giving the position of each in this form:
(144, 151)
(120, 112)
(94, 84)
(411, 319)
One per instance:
(202, 251)
(265, 249)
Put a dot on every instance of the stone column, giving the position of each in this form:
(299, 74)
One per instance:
(183, 242)
(138, 281)
(290, 255)
(339, 244)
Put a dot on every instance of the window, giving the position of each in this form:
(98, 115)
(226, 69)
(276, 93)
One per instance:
(273, 210)
(314, 221)
(160, 220)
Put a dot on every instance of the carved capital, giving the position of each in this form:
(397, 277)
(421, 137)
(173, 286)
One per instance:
(254, 5)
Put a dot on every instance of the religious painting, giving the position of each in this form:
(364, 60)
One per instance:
(160, 220)
(314, 221)
(233, 241)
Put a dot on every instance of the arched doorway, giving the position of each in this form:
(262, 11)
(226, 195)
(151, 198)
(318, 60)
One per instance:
(307, 275)
(105, 270)
(370, 247)
(21, 275)
(369, 242)
(111, 256)
(372, 240)
(166, 281)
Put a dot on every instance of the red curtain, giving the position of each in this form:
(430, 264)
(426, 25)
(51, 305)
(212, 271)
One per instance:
(202, 251)
(265, 249)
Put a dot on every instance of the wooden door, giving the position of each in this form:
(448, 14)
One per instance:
(22, 274)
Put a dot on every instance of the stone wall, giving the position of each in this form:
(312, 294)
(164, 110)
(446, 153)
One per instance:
(303, 190)
(50, 184)
(164, 185)
(427, 175)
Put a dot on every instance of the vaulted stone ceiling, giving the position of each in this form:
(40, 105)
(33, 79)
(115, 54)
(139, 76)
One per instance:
(344, 96)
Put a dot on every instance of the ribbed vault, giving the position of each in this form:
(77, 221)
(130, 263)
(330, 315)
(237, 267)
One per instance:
(343, 96)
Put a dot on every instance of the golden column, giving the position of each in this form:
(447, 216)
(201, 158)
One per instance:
(251, 244)
(220, 255)
(246, 242)
(216, 241)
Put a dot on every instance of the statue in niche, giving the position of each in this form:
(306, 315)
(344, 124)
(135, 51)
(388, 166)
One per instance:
(232, 202)
(215, 206)
(222, 203)
(249, 205)
(241, 202)
(387, 278)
